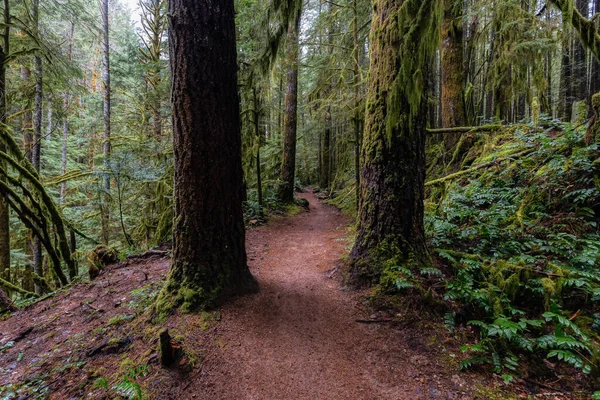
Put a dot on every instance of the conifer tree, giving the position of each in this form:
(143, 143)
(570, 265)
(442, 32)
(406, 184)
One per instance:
(404, 37)
(209, 255)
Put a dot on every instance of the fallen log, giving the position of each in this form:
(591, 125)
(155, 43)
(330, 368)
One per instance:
(9, 286)
(481, 166)
(465, 129)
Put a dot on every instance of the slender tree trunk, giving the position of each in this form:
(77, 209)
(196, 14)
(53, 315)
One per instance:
(390, 215)
(209, 256)
(288, 163)
(106, 148)
(4, 210)
(65, 131)
(579, 66)
(325, 156)
(257, 133)
(453, 105)
(37, 140)
(356, 117)
(595, 72)
(27, 122)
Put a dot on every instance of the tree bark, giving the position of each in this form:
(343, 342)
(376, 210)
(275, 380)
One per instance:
(288, 163)
(37, 139)
(106, 148)
(453, 104)
(65, 132)
(209, 256)
(325, 156)
(390, 216)
(4, 209)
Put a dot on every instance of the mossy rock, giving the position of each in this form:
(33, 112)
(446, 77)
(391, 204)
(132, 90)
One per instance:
(99, 258)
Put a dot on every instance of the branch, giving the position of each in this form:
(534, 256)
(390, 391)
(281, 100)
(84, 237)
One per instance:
(465, 129)
(481, 166)
(7, 285)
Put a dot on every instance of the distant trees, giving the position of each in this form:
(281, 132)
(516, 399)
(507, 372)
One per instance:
(209, 255)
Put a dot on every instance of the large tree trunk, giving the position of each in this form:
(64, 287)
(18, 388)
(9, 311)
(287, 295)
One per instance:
(390, 216)
(4, 210)
(209, 256)
(288, 163)
(106, 148)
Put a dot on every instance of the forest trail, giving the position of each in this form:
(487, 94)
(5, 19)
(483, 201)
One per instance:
(298, 338)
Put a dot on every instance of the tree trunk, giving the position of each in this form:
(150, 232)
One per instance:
(356, 117)
(209, 256)
(325, 156)
(65, 133)
(579, 66)
(288, 163)
(37, 140)
(106, 148)
(257, 133)
(4, 210)
(453, 105)
(390, 216)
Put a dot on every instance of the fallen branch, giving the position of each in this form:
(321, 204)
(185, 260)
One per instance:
(481, 166)
(465, 129)
(123, 342)
(374, 321)
(9, 286)
(21, 335)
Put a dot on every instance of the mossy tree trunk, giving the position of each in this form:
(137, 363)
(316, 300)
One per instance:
(288, 163)
(209, 256)
(4, 209)
(404, 38)
(37, 139)
(453, 104)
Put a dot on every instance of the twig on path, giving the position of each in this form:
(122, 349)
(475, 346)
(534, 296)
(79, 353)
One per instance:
(375, 321)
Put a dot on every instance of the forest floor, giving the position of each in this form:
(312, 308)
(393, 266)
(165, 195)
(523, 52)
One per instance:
(303, 336)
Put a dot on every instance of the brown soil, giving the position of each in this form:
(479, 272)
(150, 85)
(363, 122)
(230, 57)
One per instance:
(303, 336)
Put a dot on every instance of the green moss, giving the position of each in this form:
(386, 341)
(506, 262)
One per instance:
(535, 112)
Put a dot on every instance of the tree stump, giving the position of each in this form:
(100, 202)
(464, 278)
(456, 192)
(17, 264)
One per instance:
(166, 349)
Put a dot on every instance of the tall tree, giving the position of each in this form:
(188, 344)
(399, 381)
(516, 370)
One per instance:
(288, 163)
(154, 24)
(4, 210)
(453, 105)
(66, 105)
(37, 134)
(209, 255)
(404, 37)
(106, 147)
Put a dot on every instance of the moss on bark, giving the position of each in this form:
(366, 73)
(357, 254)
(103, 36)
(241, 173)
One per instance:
(404, 37)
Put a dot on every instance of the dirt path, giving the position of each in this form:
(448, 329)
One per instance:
(299, 339)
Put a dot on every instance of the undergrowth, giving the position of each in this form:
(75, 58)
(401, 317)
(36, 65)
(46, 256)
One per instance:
(519, 246)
